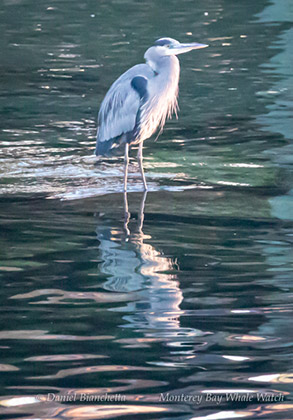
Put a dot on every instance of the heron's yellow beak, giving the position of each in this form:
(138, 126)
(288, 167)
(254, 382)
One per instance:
(183, 48)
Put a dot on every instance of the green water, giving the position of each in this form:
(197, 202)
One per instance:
(193, 294)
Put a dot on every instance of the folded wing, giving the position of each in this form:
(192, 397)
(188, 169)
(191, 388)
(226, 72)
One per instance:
(118, 112)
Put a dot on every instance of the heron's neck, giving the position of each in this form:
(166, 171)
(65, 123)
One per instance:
(167, 66)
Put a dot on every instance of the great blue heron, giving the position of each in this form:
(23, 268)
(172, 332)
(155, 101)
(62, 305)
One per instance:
(140, 100)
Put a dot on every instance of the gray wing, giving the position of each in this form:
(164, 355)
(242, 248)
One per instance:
(120, 106)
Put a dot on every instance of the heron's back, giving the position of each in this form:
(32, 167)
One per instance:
(119, 109)
(137, 103)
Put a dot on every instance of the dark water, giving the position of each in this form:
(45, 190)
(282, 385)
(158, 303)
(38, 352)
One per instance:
(188, 304)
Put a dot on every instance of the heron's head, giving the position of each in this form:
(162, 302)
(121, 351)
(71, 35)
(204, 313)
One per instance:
(169, 46)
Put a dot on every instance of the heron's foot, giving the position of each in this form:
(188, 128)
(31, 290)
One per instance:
(126, 217)
(126, 222)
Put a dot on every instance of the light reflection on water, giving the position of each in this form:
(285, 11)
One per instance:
(131, 264)
(203, 315)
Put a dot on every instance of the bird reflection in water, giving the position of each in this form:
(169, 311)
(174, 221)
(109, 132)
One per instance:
(132, 265)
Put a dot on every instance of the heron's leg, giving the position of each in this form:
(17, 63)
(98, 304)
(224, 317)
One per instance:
(141, 212)
(126, 161)
(139, 158)
(126, 215)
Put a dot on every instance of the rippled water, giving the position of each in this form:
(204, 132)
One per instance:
(182, 310)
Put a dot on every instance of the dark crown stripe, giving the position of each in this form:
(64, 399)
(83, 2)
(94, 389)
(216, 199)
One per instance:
(162, 42)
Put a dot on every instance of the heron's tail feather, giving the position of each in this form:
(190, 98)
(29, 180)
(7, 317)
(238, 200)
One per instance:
(108, 147)
(104, 147)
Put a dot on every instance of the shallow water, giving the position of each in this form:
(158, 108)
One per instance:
(192, 295)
